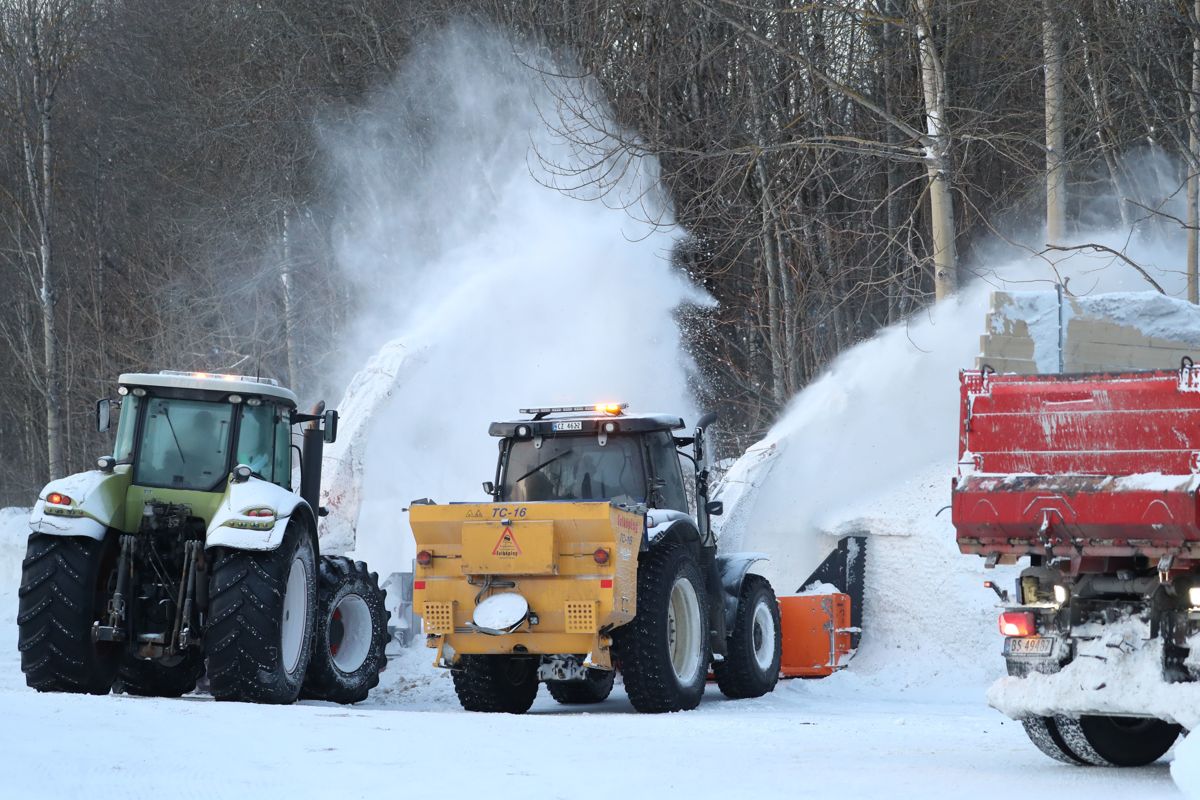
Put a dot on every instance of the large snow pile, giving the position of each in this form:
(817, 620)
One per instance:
(498, 291)
(1185, 767)
(14, 530)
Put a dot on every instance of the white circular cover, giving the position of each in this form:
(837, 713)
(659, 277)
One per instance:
(501, 611)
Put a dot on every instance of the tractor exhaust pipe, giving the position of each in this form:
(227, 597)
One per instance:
(311, 454)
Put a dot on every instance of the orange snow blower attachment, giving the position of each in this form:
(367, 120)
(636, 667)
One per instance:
(816, 634)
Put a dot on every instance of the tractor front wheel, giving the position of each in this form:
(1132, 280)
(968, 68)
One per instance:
(595, 688)
(751, 665)
(496, 683)
(155, 679)
(350, 635)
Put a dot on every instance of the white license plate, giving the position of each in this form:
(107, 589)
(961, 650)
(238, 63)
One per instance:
(1029, 646)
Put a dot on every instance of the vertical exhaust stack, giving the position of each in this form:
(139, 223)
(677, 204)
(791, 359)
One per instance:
(312, 452)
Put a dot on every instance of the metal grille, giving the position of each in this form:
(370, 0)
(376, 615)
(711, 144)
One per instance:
(439, 617)
(581, 616)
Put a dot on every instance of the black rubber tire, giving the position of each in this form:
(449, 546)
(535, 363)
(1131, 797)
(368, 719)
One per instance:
(65, 582)
(643, 646)
(740, 675)
(595, 688)
(1104, 741)
(496, 683)
(1044, 733)
(154, 679)
(243, 643)
(339, 579)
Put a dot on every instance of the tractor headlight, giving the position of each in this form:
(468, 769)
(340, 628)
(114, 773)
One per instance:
(1194, 597)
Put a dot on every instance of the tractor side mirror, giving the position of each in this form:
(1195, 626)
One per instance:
(715, 508)
(489, 488)
(330, 427)
(103, 414)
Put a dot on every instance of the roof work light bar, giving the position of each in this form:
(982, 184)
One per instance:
(601, 408)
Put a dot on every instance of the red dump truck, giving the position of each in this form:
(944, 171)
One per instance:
(1093, 481)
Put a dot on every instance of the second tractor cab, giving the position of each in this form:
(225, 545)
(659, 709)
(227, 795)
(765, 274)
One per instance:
(189, 551)
(594, 555)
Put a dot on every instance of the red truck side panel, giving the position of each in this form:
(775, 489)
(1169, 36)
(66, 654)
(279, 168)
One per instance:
(1093, 467)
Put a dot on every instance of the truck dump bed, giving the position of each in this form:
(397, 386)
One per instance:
(1091, 467)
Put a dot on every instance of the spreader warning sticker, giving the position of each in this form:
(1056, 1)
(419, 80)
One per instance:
(507, 547)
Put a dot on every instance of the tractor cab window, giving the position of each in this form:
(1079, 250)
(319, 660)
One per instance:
(575, 468)
(126, 428)
(667, 491)
(256, 440)
(283, 448)
(184, 444)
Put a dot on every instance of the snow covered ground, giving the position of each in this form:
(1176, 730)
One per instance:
(888, 726)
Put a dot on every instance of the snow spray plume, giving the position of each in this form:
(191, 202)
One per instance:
(489, 291)
(887, 409)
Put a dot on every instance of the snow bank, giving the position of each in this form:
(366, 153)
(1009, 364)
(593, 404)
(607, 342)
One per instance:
(1185, 767)
(14, 530)
(490, 290)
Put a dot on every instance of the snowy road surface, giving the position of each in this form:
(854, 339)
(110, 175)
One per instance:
(838, 738)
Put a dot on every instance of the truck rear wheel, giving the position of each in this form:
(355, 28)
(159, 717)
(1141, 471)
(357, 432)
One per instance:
(1104, 741)
(751, 665)
(1044, 733)
(350, 634)
(663, 652)
(65, 584)
(595, 688)
(154, 679)
(496, 683)
(261, 611)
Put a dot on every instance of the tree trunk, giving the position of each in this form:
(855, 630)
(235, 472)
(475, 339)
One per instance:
(1056, 197)
(937, 157)
(1193, 183)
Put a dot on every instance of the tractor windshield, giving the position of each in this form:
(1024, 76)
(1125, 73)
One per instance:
(184, 444)
(574, 468)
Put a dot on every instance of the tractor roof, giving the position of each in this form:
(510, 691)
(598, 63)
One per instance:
(208, 382)
(568, 420)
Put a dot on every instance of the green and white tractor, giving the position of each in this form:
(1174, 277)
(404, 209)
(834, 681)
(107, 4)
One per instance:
(188, 552)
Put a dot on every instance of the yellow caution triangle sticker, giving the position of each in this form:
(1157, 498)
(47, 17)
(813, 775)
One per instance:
(507, 547)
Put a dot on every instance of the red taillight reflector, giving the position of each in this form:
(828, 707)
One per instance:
(606, 583)
(1017, 623)
(601, 555)
(418, 584)
(424, 558)
(58, 499)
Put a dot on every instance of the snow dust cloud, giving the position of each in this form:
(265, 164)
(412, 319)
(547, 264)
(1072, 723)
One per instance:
(490, 289)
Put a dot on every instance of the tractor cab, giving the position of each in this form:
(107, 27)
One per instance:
(590, 453)
(189, 431)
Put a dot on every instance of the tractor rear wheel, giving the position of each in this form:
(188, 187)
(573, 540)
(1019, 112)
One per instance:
(595, 688)
(261, 611)
(751, 665)
(663, 653)
(350, 634)
(154, 679)
(65, 585)
(496, 683)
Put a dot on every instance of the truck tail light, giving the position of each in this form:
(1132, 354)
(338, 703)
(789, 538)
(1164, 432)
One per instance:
(1017, 623)
(424, 558)
(600, 556)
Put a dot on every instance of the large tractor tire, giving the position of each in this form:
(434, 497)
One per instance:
(498, 684)
(154, 679)
(595, 688)
(663, 653)
(751, 664)
(350, 635)
(65, 584)
(262, 606)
